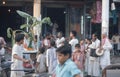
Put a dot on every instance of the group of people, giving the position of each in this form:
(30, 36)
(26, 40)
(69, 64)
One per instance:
(80, 53)
(63, 57)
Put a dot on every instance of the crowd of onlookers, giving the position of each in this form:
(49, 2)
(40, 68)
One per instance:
(80, 54)
(64, 57)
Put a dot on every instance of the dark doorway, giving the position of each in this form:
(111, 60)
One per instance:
(57, 15)
(9, 18)
(96, 28)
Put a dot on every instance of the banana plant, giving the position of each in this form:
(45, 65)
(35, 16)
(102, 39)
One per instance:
(31, 22)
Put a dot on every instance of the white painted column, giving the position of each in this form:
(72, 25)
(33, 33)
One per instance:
(37, 14)
(105, 16)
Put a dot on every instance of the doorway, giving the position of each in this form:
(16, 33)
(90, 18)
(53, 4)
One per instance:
(57, 15)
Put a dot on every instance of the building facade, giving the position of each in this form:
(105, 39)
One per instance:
(83, 16)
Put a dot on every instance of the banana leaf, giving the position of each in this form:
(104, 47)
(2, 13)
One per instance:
(9, 31)
(24, 26)
(23, 14)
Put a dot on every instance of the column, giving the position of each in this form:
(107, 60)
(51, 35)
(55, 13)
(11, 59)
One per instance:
(37, 8)
(37, 14)
(105, 16)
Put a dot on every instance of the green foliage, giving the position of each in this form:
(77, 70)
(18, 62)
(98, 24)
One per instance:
(9, 30)
(24, 26)
(23, 14)
(31, 22)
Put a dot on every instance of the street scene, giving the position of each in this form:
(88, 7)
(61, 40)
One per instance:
(60, 38)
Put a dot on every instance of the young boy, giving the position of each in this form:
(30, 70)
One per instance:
(41, 61)
(51, 57)
(73, 40)
(17, 57)
(66, 67)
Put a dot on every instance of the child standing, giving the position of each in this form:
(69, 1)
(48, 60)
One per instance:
(41, 61)
(51, 57)
(78, 58)
(66, 67)
(17, 57)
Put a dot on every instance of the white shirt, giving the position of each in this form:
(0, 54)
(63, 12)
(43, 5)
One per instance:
(73, 42)
(96, 43)
(41, 59)
(2, 51)
(59, 41)
(17, 64)
(51, 59)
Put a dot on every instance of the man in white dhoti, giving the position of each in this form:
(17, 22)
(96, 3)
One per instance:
(106, 46)
(94, 65)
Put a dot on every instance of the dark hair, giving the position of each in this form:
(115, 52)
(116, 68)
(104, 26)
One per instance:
(95, 34)
(74, 33)
(42, 50)
(19, 37)
(65, 49)
(52, 42)
(35, 36)
(89, 39)
(77, 45)
(47, 34)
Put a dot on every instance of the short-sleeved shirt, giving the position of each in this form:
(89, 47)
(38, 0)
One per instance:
(59, 41)
(73, 42)
(68, 69)
(17, 64)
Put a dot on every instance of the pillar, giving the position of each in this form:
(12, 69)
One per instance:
(37, 14)
(105, 17)
(37, 8)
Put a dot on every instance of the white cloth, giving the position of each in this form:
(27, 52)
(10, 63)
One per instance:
(51, 59)
(96, 44)
(73, 42)
(2, 51)
(59, 41)
(94, 67)
(105, 59)
(87, 60)
(17, 64)
(41, 59)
